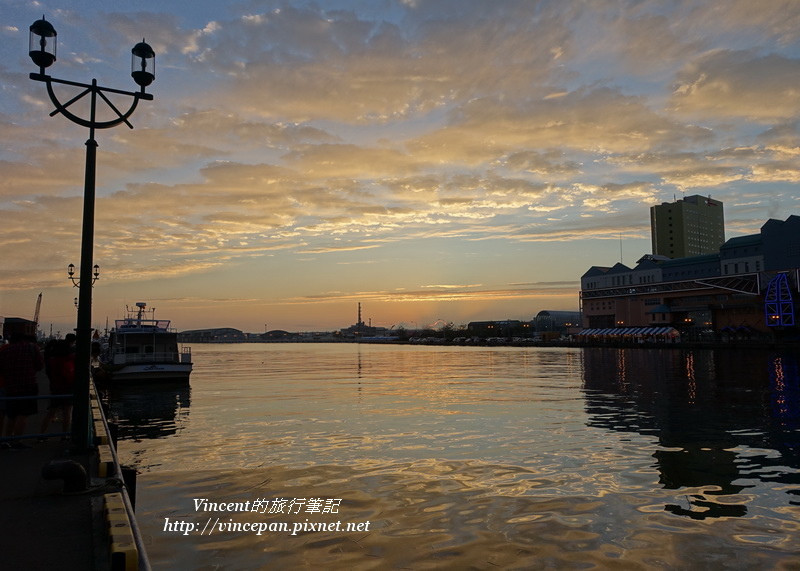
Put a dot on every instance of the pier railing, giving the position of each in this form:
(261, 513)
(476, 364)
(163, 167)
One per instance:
(125, 539)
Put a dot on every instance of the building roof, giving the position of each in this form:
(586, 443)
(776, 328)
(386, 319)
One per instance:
(656, 258)
(739, 241)
(619, 268)
(773, 223)
(596, 271)
(648, 264)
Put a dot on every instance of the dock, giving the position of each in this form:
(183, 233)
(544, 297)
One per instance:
(64, 508)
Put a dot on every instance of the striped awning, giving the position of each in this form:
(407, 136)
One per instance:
(630, 331)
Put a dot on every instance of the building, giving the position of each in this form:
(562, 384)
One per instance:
(500, 328)
(691, 226)
(274, 335)
(781, 243)
(558, 321)
(214, 335)
(748, 288)
(17, 326)
(361, 330)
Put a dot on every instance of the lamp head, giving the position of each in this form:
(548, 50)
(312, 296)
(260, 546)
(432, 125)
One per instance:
(140, 54)
(42, 43)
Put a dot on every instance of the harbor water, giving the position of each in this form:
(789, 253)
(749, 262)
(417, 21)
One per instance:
(357, 456)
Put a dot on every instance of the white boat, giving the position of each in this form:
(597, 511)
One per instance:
(143, 348)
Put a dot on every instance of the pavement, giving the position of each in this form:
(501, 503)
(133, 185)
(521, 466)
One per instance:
(43, 527)
(50, 522)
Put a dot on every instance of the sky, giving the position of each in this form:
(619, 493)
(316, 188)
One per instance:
(434, 160)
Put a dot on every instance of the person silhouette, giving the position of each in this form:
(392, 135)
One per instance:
(61, 372)
(19, 363)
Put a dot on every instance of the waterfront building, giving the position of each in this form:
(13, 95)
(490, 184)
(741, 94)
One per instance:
(693, 267)
(546, 321)
(781, 243)
(742, 254)
(274, 335)
(749, 287)
(500, 328)
(214, 335)
(361, 330)
(557, 321)
(691, 226)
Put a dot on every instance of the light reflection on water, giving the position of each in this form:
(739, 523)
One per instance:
(485, 457)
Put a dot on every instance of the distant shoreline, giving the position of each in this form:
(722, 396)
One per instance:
(610, 344)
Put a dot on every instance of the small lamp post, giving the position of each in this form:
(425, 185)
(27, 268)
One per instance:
(42, 50)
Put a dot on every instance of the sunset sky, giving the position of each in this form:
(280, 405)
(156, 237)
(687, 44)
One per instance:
(452, 160)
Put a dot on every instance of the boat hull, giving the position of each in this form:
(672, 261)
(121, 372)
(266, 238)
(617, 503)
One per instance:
(152, 372)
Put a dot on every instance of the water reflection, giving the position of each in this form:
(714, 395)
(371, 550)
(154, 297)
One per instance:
(724, 420)
(783, 375)
(147, 411)
(481, 458)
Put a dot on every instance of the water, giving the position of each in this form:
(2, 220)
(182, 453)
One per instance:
(469, 458)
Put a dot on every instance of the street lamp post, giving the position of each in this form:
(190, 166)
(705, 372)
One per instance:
(42, 50)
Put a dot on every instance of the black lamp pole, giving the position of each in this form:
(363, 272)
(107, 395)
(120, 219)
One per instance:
(43, 53)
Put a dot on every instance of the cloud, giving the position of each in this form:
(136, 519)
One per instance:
(354, 69)
(338, 132)
(600, 121)
(727, 84)
(447, 294)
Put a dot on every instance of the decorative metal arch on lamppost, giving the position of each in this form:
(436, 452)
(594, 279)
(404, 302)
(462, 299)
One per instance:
(42, 50)
(77, 283)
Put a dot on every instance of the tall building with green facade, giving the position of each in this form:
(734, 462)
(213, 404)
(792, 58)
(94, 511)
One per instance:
(691, 226)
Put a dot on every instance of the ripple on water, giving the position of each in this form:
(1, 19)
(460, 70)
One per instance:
(513, 459)
(431, 514)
